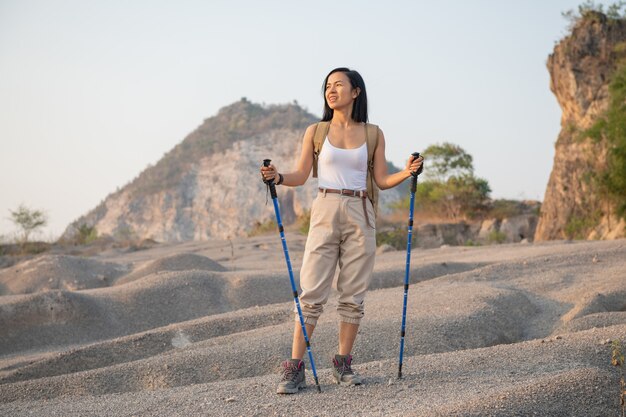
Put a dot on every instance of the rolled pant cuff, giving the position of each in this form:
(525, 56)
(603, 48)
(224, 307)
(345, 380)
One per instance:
(307, 320)
(351, 320)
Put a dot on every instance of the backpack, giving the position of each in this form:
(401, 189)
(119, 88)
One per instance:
(371, 139)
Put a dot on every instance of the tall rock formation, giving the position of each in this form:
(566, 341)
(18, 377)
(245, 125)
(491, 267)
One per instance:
(209, 184)
(580, 71)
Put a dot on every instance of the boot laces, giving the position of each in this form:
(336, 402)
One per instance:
(290, 371)
(345, 367)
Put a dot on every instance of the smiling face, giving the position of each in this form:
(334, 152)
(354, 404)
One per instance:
(344, 90)
(339, 92)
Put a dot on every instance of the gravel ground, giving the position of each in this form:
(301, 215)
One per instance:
(509, 330)
(569, 376)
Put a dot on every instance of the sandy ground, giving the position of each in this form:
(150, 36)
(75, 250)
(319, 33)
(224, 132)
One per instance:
(200, 328)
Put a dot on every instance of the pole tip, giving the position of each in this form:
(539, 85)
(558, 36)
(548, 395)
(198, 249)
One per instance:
(317, 384)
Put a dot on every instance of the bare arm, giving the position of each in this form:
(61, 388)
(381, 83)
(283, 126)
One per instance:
(303, 169)
(381, 176)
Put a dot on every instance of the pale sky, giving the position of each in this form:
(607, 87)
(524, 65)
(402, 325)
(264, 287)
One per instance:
(91, 92)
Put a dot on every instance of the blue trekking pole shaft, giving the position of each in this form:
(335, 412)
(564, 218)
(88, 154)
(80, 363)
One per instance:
(272, 186)
(408, 264)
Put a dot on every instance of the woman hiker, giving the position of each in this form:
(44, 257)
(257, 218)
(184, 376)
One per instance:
(342, 229)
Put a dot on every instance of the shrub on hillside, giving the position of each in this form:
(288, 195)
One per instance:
(590, 10)
(263, 228)
(502, 208)
(496, 236)
(86, 234)
(611, 128)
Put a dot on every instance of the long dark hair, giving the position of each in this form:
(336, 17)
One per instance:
(359, 108)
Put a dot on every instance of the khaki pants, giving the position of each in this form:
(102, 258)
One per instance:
(338, 235)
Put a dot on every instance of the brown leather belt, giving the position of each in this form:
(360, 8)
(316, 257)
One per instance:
(351, 193)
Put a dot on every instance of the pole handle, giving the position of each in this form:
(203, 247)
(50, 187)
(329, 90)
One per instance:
(415, 174)
(266, 163)
(270, 183)
(415, 156)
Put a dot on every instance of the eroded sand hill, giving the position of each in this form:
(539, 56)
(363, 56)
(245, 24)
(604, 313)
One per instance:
(200, 329)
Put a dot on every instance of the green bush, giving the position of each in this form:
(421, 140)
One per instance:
(263, 228)
(611, 128)
(125, 234)
(86, 234)
(35, 248)
(304, 221)
(496, 236)
(458, 197)
(396, 238)
(578, 226)
(501, 209)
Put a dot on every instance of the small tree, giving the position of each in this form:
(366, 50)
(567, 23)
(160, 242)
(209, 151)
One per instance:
(468, 196)
(450, 187)
(447, 160)
(28, 221)
(589, 9)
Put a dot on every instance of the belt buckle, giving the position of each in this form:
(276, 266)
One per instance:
(347, 192)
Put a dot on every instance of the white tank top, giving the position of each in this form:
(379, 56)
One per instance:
(340, 168)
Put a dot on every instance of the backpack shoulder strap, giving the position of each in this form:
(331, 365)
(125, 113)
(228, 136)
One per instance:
(371, 138)
(321, 130)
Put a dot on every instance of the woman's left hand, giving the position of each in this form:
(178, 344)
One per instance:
(414, 164)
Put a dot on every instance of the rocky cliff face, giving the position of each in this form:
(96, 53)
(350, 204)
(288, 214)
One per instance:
(209, 185)
(580, 70)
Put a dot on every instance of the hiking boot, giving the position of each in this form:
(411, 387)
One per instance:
(292, 379)
(343, 373)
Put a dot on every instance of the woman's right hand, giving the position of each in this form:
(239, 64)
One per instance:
(414, 165)
(269, 173)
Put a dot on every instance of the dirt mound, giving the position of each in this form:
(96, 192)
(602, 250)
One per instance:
(145, 344)
(596, 320)
(497, 316)
(33, 321)
(58, 272)
(61, 318)
(180, 262)
(609, 300)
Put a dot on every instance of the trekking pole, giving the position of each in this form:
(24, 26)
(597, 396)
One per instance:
(408, 261)
(272, 186)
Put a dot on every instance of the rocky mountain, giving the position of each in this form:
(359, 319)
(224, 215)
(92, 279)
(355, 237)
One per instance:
(581, 68)
(209, 184)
